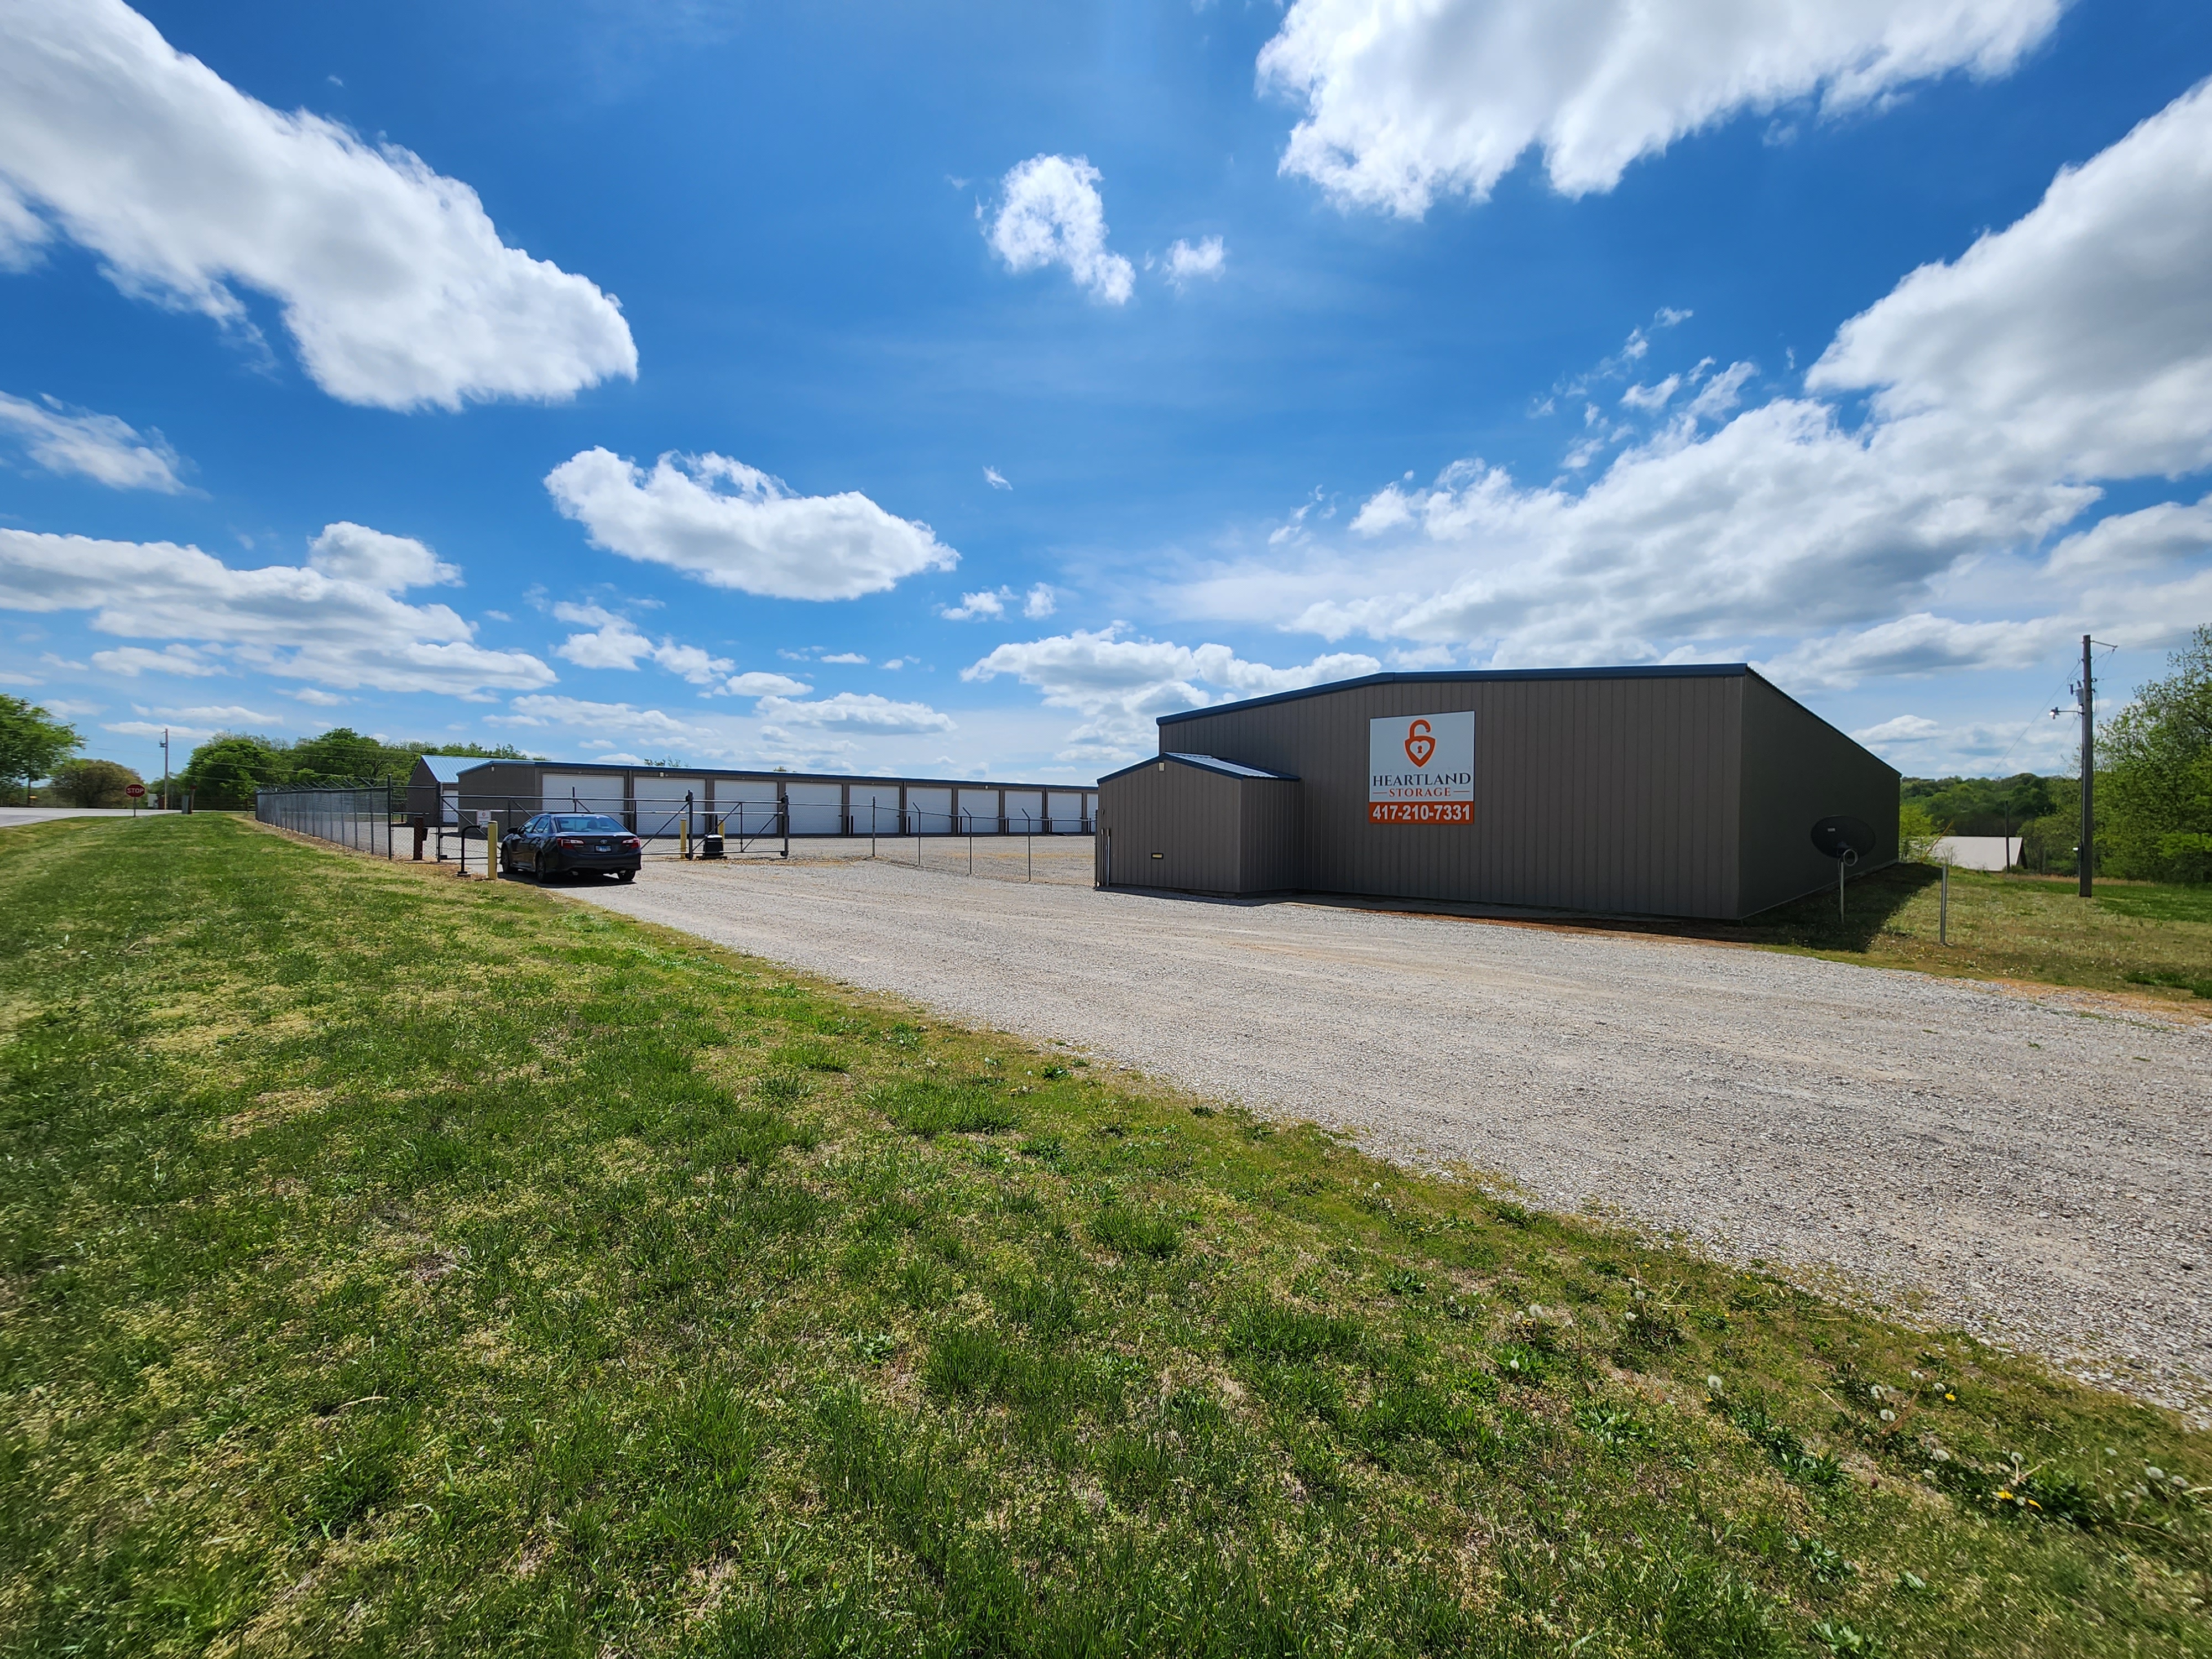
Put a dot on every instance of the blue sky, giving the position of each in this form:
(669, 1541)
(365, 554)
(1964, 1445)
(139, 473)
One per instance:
(1024, 373)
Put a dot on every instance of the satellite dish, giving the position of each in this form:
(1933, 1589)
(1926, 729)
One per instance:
(1842, 837)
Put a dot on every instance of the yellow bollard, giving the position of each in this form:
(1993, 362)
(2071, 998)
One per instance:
(491, 850)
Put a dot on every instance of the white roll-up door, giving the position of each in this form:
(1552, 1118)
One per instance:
(1025, 812)
(660, 805)
(746, 806)
(979, 811)
(1067, 809)
(817, 809)
(876, 810)
(583, 792)
(929, 812)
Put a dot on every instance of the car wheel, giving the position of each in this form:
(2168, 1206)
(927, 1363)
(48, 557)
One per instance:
(625, 876)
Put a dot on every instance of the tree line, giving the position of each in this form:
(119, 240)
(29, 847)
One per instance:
(39, 759)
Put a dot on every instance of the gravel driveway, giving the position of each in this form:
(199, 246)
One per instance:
(2036, 1167)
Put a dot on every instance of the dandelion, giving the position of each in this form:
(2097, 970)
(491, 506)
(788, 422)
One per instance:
(2154, 1471)
(1888, 1416)
(1714, 1383)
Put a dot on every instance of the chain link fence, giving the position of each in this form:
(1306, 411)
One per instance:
(357, 817)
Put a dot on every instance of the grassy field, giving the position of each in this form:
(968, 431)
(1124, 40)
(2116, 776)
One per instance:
(396, 1265)
(2141, 938)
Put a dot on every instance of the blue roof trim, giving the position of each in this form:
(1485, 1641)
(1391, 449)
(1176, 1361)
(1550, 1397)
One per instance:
(1205, 763)
(1466, 676)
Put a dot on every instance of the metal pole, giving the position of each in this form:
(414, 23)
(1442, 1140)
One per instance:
(2088, 770)
(1029, 842)
(165, 769)
(971, 843)
(1943, 908)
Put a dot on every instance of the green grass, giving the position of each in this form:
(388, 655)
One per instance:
(395, 1265)
(2133, 937)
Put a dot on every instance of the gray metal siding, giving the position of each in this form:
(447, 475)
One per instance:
(1590, 793)
(1797, 770)
(1187, 815)
(1270, 836)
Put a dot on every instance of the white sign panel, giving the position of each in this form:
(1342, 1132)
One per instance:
(1420, 769)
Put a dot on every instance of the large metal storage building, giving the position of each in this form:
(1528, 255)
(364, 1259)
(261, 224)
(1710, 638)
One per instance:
(654, 800)
(1687, 791)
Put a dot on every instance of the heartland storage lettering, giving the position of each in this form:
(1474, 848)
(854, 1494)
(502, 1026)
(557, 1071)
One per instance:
(1420, 769)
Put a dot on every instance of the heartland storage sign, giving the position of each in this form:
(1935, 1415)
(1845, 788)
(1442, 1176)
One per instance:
(1420, 770)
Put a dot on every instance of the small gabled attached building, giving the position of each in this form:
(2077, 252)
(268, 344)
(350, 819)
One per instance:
(1197, 823)
(434, 788)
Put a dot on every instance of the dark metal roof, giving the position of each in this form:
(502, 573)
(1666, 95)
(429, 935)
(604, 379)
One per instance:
(1456, 676)
(616, 768)
(1205, 763)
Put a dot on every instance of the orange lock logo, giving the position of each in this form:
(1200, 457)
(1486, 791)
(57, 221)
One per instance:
(1419, 744)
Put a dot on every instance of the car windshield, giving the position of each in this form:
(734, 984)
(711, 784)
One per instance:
(594, 825)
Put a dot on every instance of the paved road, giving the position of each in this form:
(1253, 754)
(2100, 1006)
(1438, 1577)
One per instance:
(14, 815)
(2039, 1167)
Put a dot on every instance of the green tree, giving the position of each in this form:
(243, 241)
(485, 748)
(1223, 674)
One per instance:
(474, 750)
(343, 755)
(225, 769)
(2154, 789)
(93, 783)
(32, 742)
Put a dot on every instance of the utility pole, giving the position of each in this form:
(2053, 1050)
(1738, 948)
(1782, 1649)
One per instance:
(2088, 857)
(165, 769)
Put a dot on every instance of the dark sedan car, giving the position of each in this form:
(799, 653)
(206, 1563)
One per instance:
(566, 843)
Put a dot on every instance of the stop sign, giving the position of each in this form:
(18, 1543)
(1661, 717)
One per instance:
(134, 790)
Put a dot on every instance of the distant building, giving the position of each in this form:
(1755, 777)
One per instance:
(657, 801)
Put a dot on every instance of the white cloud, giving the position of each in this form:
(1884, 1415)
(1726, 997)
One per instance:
(733, 526)
(1650, 399)
(2074, 347)
(2078, 339)
(757, 684)
(293, 622)
(1913, 646)
(131, 661)
(355, 553)
(158, 729)
(1039, 602)
(1050, 214)
(391, 279)
(1187, 264)
(315, 699)
(1905, 728)
(1406, 101)
(613, 641)
(853, 711)
(995, 478)
(546, 709)
(97, 447)
(1122, 686)
(224, 715)
(846, 657)
(975, 607)
(2151, 539)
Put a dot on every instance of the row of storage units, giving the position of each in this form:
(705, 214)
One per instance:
(657, 802)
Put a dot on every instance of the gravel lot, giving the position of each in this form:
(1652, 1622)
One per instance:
(2033, 1165)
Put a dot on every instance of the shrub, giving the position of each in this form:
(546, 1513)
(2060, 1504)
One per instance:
(93, 783)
